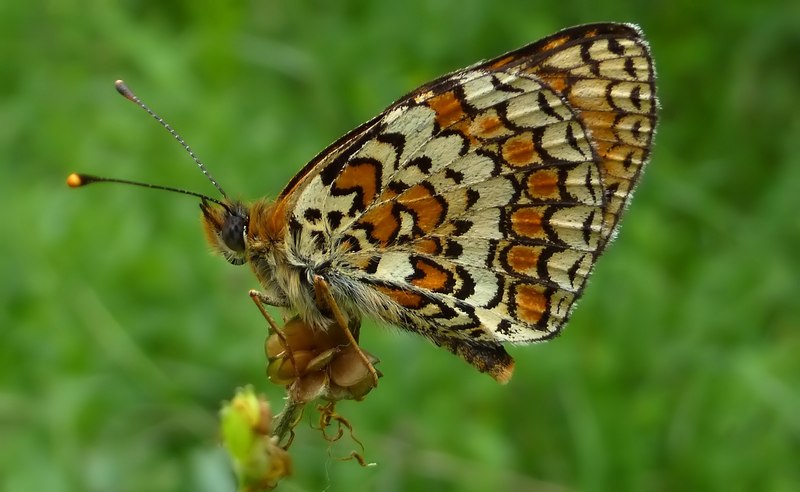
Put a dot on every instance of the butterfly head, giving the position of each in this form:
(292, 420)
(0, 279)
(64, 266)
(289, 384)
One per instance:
(225, 226)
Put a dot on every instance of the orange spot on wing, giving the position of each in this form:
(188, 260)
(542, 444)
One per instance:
(522, 259)
(531, 303)
(543, 184)
(360, 176)
(603, 146)
(556, 81)
(590, 97)
(465, 128)
(362, 261)
(387, 195)
(428, 210)
(527, 222)
(614, 157)
(488, 126)
(600, 124)
(427, 246)
(405, 298)
(519, 151)
(384, 225)
(416, 192)
(448, 108)
(554, 43)
(502, 62)
(430, 276)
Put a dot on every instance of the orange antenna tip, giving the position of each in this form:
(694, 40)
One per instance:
(74, 180)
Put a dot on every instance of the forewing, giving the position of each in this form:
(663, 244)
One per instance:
(475, 207)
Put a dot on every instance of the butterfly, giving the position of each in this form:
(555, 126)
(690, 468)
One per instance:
(472, 210)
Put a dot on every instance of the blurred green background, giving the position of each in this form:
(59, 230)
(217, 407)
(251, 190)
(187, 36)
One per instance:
(120, 334)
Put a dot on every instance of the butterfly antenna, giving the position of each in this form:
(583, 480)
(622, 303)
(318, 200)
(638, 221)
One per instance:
(76, 180)
(128, 94)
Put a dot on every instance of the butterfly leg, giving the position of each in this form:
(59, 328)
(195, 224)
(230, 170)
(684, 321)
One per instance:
(323, 292)
(266, 299)
(260, 299)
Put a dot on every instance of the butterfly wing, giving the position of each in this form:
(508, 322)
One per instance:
(605, 72)
(473, 210)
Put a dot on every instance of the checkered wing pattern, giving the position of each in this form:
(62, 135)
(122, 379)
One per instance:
(473, 210)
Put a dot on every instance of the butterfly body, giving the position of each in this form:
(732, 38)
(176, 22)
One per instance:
(471, 211)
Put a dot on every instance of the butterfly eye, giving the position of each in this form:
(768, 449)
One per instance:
(233, 232)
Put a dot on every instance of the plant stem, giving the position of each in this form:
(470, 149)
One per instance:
(284, 422)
